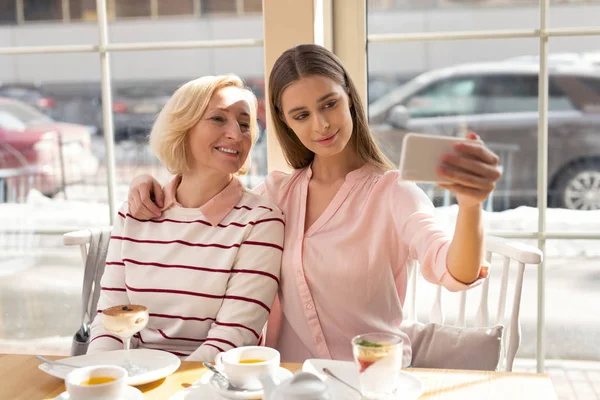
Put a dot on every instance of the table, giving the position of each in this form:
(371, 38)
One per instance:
(20, 379)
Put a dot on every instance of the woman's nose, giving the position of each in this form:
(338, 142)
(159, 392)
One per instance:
(321, 124)
(233, 131)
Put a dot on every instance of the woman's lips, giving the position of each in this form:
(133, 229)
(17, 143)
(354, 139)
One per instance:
(328, 139)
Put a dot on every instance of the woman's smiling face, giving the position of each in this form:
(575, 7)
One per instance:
(317, 109)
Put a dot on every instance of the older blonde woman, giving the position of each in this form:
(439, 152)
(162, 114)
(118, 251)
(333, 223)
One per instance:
(208, 268)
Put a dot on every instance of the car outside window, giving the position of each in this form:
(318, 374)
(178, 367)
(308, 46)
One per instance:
(445, 98)
(519, 93)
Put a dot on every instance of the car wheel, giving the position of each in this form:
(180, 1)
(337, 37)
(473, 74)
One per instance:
(578, 186)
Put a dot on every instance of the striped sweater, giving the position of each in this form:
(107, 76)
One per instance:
(208, 276)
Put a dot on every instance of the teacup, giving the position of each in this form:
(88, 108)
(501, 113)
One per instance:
(244, 366)
(103, 382)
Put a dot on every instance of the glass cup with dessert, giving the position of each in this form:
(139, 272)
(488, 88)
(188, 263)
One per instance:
(379, 360)
(125, 321)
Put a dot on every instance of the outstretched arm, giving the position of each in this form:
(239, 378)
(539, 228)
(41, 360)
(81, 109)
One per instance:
(472, 173)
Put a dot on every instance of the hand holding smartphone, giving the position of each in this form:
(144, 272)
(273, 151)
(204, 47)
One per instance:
(421, 155)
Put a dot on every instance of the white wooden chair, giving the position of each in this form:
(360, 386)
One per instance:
(93, 245)
(511, 253)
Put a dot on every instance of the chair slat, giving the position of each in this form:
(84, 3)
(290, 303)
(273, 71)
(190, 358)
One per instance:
(83, 252)
(503, 289)
(483, 313)
(437, 311)
(412, 310)
(462, 307)
(514, 339)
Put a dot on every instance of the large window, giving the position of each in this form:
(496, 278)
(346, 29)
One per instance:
(58, 179)
(445, 67)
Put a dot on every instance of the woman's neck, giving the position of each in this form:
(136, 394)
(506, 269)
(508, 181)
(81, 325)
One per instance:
(196, 189)
(334, 168)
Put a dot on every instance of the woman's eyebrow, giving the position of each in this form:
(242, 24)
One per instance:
(320, 99)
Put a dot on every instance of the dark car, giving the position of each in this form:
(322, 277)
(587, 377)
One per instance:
(135, 109)
(38, 152)
(499, 101)
(30, 94)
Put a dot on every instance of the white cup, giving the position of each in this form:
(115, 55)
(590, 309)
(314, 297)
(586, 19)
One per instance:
(244, 375)
(113, 390)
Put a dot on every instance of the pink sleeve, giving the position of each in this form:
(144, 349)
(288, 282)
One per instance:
(424, 239)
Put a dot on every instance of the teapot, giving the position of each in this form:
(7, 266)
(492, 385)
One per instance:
(301, 386)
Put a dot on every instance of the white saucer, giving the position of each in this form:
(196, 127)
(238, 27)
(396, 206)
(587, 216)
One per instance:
(156, 364)
(280, 375)
(207, 389)
(409, 386)
(131, 393)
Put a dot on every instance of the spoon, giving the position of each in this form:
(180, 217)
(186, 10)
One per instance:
(223, 379)
(53, 362)
(331, 374)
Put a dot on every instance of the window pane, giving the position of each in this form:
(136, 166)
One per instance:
(83, 10)
(448, 88)
(21, 111)
(571, 331)
(8, 12)
(132, 8)
(396, 16)
(219, 7)
(40, 188)
(574, 13)
(445, 98)
(176, 7)
(510, 93)
(42, 10)
(573, 145)
(252, 6)
(174, 28)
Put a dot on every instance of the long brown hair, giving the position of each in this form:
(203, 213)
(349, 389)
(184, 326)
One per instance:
(313, 60)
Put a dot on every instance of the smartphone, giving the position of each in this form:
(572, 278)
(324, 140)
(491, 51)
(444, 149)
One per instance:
(421, 155)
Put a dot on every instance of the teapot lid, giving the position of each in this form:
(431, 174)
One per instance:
(304, 384)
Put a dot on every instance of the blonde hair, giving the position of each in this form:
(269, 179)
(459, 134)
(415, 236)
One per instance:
(313, 60)
(185, 108)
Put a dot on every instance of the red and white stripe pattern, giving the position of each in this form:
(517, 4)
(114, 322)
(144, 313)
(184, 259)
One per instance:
(207, 288)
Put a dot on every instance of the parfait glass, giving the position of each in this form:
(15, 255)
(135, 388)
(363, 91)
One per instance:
(125, 321)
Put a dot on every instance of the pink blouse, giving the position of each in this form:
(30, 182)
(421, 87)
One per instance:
(347, 274)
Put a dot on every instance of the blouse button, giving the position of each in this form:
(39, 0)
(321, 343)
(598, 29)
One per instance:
(309, 307)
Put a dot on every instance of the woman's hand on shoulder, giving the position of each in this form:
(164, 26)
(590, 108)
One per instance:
(472, 171)
(146, 197)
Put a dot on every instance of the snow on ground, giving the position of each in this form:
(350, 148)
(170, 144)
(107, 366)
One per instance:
(42, 213)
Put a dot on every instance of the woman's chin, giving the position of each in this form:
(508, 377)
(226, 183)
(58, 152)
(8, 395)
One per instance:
(328, 151)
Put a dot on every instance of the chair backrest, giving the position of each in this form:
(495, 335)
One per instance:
(510, 253)
(93, 245)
